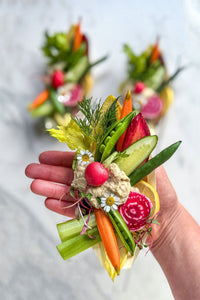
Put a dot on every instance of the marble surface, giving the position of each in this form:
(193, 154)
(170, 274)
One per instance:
(30, 265)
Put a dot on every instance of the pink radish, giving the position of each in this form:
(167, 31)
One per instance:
(58, 79)
(138, 87)
(96, 174)
(135, 211)
(153, 108)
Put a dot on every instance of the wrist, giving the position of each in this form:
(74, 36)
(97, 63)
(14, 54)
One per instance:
(165, 233)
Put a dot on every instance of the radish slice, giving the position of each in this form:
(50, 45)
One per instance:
(153, 108)
(75, 95)
(136, 211)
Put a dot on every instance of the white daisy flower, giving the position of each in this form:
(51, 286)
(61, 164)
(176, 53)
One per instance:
(110, 203)
(85, 157)
(64, 92)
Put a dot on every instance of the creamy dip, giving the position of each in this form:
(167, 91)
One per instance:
(141, 99)
(118, 184)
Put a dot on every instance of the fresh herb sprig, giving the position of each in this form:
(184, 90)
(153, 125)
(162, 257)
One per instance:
(91, 114)
(95, 122)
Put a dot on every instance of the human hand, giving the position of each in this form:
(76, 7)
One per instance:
(52, 179)
(53, 176)
(170, 207)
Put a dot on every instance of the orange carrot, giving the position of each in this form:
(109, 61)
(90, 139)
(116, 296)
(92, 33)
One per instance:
(41, 98)
(78, 37)
(126, 109)
(155, 53)
(108, 238)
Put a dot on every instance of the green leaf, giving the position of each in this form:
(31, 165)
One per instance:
(139, 68)
(154, 221)
(149, 231)
(89, 196)
(82, 194)
(152, 209)
(72, 135)
(72, 192)
(56, 47)
(137, 64)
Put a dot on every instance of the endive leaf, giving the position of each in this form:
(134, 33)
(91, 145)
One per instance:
(72, 135)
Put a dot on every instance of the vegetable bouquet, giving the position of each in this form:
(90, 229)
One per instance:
(67, 79)
(149, 82)
(114, 184)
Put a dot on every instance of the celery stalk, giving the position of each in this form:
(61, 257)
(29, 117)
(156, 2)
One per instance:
(73, 227)
(78, 244)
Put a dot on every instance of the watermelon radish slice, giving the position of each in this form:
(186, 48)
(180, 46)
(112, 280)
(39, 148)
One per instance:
(137, 129)
(74, 96)
(153, 108)
(136, 211)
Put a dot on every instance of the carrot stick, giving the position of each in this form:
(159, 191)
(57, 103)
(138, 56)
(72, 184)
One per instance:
(155, 53)
(78, 37)
(126, 109)
(108, 238)
(41, 98)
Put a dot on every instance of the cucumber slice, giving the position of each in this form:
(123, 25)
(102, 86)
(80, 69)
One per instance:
(74, 74)
(137, 153)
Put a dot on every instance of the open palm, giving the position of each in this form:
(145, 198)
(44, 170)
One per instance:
(53, 176)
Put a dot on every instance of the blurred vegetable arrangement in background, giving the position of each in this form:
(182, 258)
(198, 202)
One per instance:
(149, 82)
(67, 78)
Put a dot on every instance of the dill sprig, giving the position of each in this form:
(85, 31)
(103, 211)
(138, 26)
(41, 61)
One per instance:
(95, 122)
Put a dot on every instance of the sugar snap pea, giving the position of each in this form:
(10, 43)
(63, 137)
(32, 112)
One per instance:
(110, 143)
(58, 106)
(111, 137)
(110, 159)
(153, 163)
(122, 230)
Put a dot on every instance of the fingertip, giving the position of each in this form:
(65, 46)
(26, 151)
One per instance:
(46, 202)
(60, 207)
(32, 186)
(42, 156)
(29, 170)
(35, 185)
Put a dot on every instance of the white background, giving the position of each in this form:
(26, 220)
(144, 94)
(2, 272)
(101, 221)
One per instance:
(30, 265)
